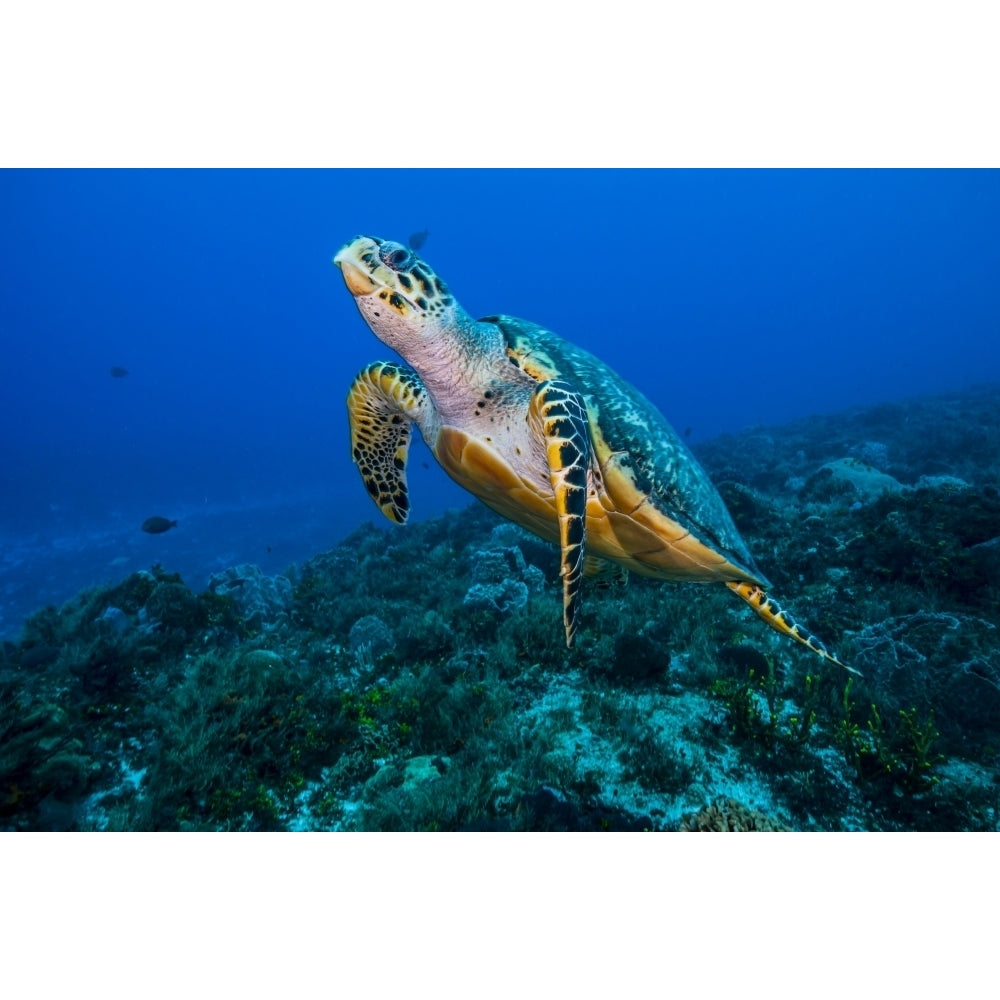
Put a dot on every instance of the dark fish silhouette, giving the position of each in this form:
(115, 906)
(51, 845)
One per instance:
(157, 525)
(687, 432)
(417, 240)
(118, 372)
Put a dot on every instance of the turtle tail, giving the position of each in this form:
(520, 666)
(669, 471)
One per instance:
(771, 612)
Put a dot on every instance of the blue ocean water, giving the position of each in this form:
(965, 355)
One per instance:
(730, 297)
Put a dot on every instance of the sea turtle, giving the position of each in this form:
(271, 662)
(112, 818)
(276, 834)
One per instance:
(541, 431)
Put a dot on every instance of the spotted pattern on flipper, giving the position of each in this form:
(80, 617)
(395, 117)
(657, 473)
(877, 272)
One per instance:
(568, 449)
(772, 613)
(383, 402)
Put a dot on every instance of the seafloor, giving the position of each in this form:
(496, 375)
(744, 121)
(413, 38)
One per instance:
(418, 679)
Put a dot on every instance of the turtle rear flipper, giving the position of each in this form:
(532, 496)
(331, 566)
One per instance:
(780, 620)
(604, 573)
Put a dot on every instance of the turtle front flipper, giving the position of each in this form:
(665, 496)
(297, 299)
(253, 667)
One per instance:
(563, 418)
(769, 609)
(383, 403)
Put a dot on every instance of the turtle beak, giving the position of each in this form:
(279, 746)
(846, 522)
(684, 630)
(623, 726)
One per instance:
(358, 283)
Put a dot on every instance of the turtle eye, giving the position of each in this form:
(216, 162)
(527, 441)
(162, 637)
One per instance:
(394, 255)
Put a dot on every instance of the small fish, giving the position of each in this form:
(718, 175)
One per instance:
(157, 525)
(118, 372)
(417, 240)
(687, 432)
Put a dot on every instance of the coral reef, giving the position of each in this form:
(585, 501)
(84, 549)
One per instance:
(259, 600)
(865, 480)
(729, 816)
(351, 694)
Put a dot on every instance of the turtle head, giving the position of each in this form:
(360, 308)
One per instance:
(398, 294)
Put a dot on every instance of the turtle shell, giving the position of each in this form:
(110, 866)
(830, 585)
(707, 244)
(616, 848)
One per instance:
(656, 489)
